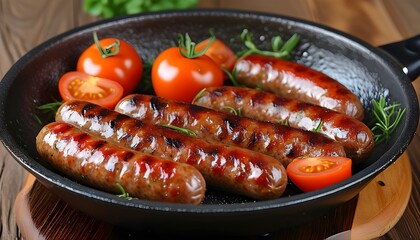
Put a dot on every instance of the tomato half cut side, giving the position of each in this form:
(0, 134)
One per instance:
(310, 174)
(81, 86)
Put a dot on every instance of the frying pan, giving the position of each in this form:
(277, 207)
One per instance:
(368, 71)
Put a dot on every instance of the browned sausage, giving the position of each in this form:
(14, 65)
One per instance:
(104, 165)
(281, 142)
(296, 81)
(231, 169)
(353, 134)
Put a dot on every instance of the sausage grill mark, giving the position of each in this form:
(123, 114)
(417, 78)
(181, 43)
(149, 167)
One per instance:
(156, 105)
(195, 111)
(176, 143)
(86, 108)
(291, 153)
(119, 120)
(99, 144)
(253, 140)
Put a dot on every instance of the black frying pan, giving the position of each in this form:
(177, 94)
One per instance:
(366, 70)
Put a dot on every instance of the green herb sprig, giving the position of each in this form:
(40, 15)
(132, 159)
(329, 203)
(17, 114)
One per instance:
(198, 95)
(50, 109)
(280, 49)
(182, 130)
(232, 77)
(318, 127)
(284, 122)
(386, 119)
(123, 194)
(233, 111)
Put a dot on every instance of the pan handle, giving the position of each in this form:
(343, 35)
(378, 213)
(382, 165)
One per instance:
(406, 52)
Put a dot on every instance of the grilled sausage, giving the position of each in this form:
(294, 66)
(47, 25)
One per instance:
(281, 142)
(296, 81)
(356, 138)
(227, 168)
(104, 165)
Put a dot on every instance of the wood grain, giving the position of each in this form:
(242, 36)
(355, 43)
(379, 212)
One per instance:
(26, 23)
(390, 197)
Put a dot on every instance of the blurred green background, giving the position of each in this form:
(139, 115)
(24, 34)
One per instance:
(112, 8)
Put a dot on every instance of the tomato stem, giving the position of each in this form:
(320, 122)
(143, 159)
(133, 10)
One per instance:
(110, 50)
(187, 46)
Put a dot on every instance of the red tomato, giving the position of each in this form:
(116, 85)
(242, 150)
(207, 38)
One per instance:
(125, 67)
(179, 78)
(81, 86)
(313, 173)
(219, 52)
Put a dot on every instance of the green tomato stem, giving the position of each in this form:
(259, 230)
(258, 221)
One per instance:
(187, 46)
(110, 50)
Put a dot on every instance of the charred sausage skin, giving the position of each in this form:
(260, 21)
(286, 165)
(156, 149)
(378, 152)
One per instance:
(102, 165)
(227, 168)
(281, 142)
(353, 134)
(296, 81)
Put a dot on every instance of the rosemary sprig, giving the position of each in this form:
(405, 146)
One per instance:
(318, 127)
(233, 111)
(198, 95)
(50, 109)
(386, 119)
(280, 49)
(284, 122)
(123, 194)
(232, 77)
(182, 130)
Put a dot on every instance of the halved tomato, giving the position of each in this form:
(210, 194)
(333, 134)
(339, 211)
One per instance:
(81, 86)
(314, 173)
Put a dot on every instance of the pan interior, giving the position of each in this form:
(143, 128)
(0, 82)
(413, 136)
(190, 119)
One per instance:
(33, 80)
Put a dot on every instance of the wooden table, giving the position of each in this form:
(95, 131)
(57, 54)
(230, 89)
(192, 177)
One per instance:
(26, 23)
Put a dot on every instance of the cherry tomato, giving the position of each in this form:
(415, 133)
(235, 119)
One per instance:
(220, 53)
(314, 173)
(125, 66)
(81, 86)
(180, 78)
